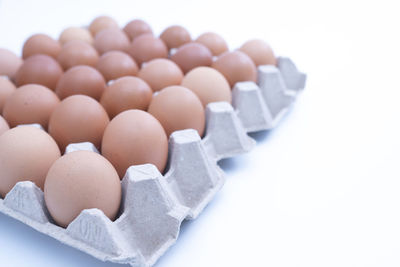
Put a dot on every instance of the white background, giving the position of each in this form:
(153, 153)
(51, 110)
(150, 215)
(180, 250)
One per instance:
(322, 189)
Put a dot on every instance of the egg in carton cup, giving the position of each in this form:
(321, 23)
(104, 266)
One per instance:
(154, 205)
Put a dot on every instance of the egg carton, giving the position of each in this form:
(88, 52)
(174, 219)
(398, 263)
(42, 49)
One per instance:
(154, 205)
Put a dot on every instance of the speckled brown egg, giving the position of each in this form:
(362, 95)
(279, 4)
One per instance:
(192, 55)
(214, 42)
(78, 118)
(259, 51)
(116, 64)
(77, 52)
(208, 84)
(135, 137)
(83, 80)
(236, 66)
(175, 36)
(75, 34)
(41, 44)
(160, 73)
(31, 103)
(101, 23)
(178, 108)
(3, 125)
(39, 69)
(111, 39)
(137, 27)
(6, 89)
(26, 154)
(126, 93)
(9, 63)
(81, 180)
(147, 47)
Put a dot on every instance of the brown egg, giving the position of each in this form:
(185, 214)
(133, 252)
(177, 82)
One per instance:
(101, 23)
(259, 51)
(9, 63)
(81, 180)
(3, 125)
(236, 66)
(111, 39)
(75, 34)
(175, 36)
(137, 27)
(26, 154)
(135, 137)
(214, 42)
(116, 64)
(208, 84)
(6, 89)
(41, 44)
(83, 80)
(178, 108)
(147, 47)
(160, 73)
(126, 93)
(192, 55)
(39, 69)
(31, 103)
(77, 52)
(78, 118)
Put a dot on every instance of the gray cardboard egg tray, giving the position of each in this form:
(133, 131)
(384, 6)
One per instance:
(154, 206)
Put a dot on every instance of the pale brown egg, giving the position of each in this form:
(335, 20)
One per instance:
(31, 103)
(192, 55)
(111, 39)
(259, 51)
(137, 27)
(3, 125)
(6, 89)
(39, 69)
(9, 63)
(81, 180)
(208, 84)
(178, 108)
(41, 44)
(76, 53)
(126, 93)
(160, 73)
(135, 137)
(75, 34)
(78, 118)
(214, 42)
(26, 154)
(147, 47)
(83, 80)
(101, 23)
(116, 64)
(175, 36)
(236, 66)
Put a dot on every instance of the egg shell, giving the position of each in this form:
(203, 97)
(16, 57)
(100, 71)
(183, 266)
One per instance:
(39, 69)
(116, 64)
(147, 47)
(236, 66)
(41, 44)
(160, 73)
(81, 180)
(137, 27)
(175, 36)
(78, 118)
(9, 63)
(101, 23)
(208, 84)
(6, 89)
(192, 55)
(83, 80)
(26, 154)
(214, 42)
(111, 39)
(77, 52)
(135, 137)
(259, 51)
(75, 34)
(3, 125)
(31, 103)
(126, 93)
